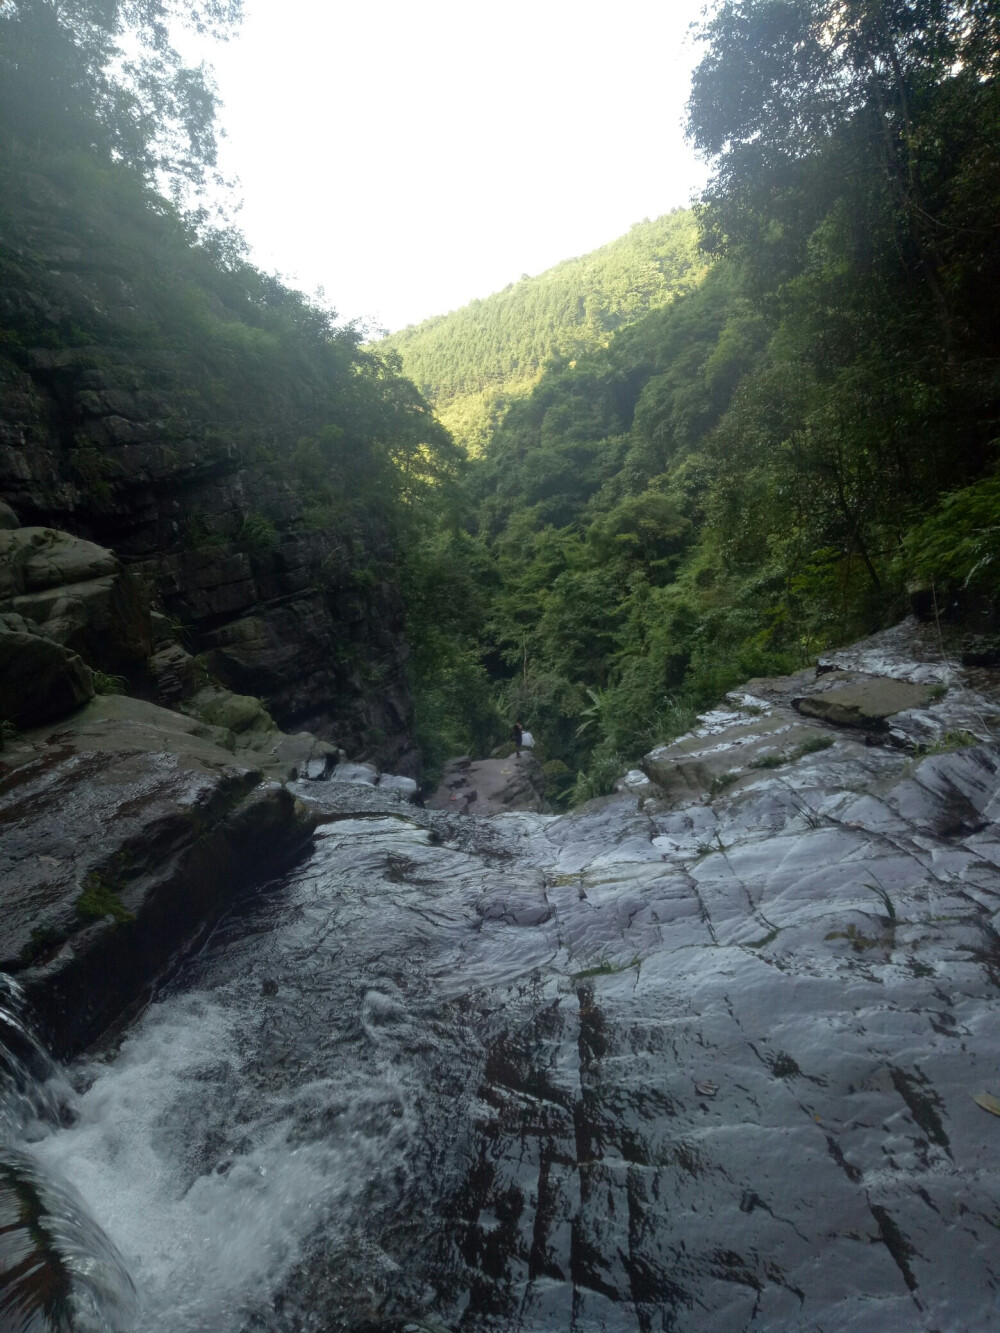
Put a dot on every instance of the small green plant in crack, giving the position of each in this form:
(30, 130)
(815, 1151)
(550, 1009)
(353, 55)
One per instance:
(43, 940)
(814, 745)
(858, 941)
(937, 693)
(811, 819)
(951, 740)
(765, 940)
(100, 899)
(768, 761)
(707, 848)
(784, 1066)
(105, 683)
(203, 673)
(257, 534)
(606, 968)
(723, 781)
(890, 910)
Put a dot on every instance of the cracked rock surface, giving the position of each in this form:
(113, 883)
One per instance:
(686, 1060)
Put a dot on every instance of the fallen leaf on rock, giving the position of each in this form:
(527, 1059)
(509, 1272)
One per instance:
(987, 1102)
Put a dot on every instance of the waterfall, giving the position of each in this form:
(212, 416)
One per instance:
(58, 1270)
(237, 1143)
(641, 1066)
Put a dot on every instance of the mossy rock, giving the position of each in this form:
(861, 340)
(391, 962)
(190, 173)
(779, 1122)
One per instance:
(233, 712)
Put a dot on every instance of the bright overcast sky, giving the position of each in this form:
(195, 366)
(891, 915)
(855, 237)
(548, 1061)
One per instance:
(408, 157)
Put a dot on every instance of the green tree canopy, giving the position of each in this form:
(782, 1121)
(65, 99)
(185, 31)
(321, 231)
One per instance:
(106, 75)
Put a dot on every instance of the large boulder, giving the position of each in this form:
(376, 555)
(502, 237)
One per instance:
(728, 745)
(848, 699)
(35, 558)
(75, 593)
(40, 681)
(235, 712)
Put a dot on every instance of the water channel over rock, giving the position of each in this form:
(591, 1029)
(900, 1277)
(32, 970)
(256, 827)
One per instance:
(690, 1065)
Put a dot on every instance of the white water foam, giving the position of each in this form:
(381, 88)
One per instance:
(205, 1241)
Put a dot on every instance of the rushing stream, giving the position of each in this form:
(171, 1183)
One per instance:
(703, 1069)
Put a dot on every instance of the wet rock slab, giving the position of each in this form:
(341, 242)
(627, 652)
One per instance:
(733, 1085)
(849, 699)
(748, 1098)
(696, 1061)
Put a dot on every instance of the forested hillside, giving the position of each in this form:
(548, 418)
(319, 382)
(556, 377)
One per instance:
(473, 363)
(709, 449)
(789, 453)
(254, 464)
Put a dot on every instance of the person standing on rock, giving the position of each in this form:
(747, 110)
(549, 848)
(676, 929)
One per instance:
(517, 731)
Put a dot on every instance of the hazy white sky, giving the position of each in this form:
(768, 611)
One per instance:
(408, 157)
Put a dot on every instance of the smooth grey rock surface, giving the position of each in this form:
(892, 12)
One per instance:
(34, 558)
(726, 745)
(634, 780)
(72, 595)
(490, 786)
(849, 699)
(696, 1063)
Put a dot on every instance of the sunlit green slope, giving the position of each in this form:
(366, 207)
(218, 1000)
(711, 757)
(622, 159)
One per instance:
(471, 364)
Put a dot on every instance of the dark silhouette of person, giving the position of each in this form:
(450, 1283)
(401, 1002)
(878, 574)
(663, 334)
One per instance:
(517, 731)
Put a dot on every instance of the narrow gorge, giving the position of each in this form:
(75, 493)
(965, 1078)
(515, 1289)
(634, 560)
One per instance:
(500, 820)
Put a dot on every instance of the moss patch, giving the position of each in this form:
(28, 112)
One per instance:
(100, 899)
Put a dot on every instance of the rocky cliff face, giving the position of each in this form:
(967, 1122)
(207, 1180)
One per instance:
(116, 426)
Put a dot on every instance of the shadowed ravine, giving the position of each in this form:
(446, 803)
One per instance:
(693, 1068)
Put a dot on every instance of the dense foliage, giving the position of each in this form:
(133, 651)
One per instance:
(693, 464)
(106, 76)
(756, 471)
(472, 364)
(265, 426)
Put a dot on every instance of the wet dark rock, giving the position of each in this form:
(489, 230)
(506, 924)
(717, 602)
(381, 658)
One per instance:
(126, 829)
(39, 680)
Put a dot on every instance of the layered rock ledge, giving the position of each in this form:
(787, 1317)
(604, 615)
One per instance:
(126, 830)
